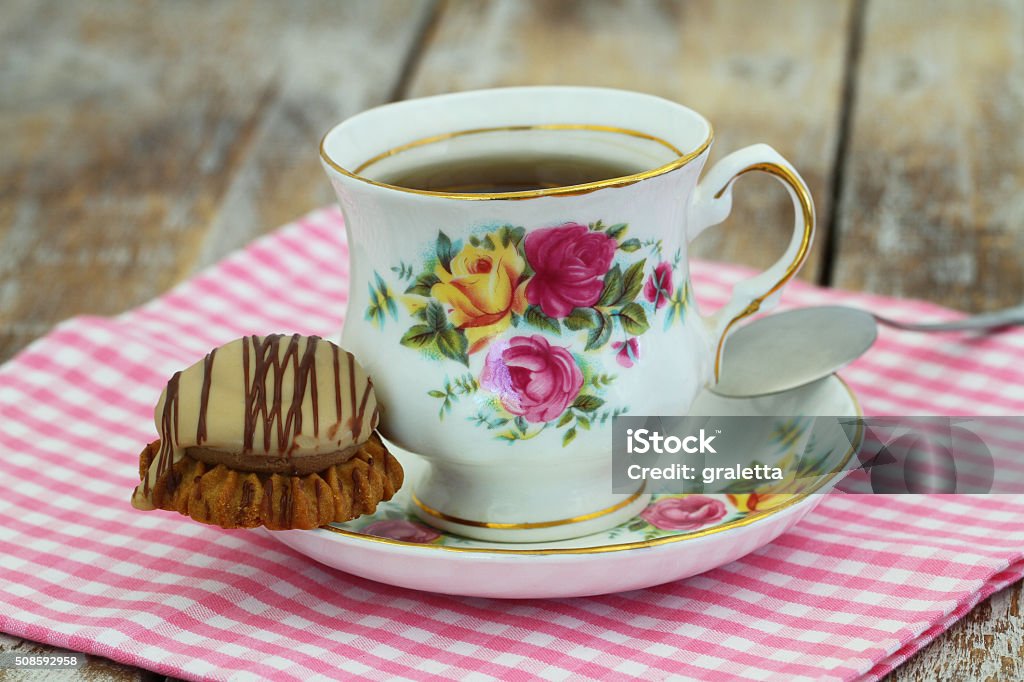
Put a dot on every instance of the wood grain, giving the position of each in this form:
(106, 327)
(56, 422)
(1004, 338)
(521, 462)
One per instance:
(933, 185)
(988, 645)
(140, 140)
(760, 71)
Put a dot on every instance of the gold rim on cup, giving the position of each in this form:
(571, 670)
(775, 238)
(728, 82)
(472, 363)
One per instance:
(681, 160)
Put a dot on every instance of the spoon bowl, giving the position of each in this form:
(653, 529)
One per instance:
(794, 348)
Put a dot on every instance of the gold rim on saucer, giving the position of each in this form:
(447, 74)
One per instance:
(745, 521)
(681, 160)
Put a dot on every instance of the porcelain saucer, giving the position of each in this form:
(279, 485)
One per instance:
(674, 537)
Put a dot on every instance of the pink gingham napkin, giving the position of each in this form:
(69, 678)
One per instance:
(857, 587)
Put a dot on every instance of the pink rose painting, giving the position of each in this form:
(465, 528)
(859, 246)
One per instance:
(532, 378)
(400, 529)
(569, 262)
(684, 513)
(658, 289)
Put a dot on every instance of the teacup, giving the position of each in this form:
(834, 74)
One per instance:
(504, 331)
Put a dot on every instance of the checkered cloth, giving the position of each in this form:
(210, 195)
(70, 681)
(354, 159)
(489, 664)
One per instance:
(857, 587)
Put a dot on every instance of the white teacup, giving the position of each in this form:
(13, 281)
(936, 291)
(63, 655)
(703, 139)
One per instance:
(504, 331)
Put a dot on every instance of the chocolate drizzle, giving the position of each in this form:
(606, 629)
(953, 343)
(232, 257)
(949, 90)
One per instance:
(337, 385)
(268, 364)
(352, 393)
(204, 397)
(168, 427)
(358, 425)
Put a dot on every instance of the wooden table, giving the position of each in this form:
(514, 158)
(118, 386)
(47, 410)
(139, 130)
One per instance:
(140, 141)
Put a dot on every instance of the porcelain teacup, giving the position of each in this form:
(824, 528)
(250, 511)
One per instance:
(505, 331)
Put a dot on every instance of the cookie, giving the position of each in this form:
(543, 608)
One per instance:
(274, 431)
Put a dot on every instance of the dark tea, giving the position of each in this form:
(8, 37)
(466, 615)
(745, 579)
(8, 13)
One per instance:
(509, 173)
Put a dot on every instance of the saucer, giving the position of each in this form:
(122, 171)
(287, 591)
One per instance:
(674, 537)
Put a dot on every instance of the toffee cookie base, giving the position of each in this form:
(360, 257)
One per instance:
(229, 498)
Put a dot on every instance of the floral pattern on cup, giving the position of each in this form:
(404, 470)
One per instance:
(547, 310)
(684, 513)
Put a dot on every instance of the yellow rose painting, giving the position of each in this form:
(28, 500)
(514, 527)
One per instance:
(482, 290)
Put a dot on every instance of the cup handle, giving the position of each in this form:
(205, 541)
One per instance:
(712, 202)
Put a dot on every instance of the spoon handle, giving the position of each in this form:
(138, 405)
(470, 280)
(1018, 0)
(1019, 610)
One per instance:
(982, 322)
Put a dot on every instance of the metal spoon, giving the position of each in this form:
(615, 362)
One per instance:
(794, 348)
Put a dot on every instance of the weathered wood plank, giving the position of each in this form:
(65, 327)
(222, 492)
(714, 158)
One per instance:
(760, 71)
(988, 645)
(932, 202)
(139, 140)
